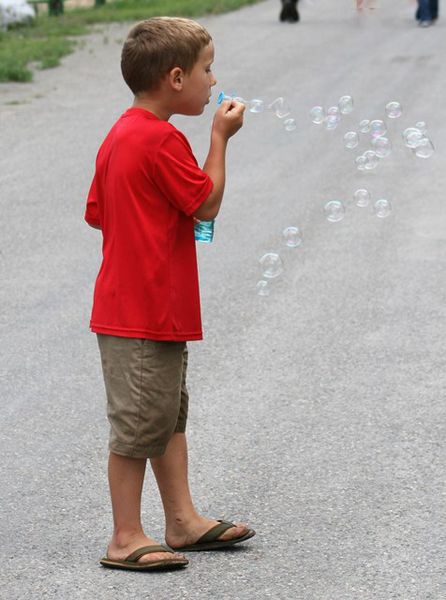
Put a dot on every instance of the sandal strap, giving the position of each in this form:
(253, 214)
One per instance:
(215, 532)
(136, 555)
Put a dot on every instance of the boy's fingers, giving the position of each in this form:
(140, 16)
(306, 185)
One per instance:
(232, 106)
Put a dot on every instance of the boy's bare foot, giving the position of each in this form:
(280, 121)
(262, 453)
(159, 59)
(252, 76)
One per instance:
(120, 549)
(185, 533)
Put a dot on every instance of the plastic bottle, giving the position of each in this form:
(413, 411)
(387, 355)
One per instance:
(204, 231)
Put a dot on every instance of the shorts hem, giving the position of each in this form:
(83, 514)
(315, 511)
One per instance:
(137, 451)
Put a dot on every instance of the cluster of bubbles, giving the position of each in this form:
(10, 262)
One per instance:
(374, 132)
(279, 106)
(335, 209)
(380, 145)
(331, 117)
(271, 263)
(417, 139)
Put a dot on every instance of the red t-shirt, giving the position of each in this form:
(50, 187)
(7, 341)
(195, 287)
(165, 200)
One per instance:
(146, 187)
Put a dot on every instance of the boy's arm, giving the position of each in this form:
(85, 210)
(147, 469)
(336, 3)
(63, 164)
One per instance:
(227, 121)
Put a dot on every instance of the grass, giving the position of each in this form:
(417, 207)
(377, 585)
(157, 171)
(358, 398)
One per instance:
(42, 44)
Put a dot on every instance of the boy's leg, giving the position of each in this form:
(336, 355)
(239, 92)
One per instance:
(184, 525)
(126, 478)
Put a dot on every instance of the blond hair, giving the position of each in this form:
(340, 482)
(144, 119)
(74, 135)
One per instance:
(155, 46)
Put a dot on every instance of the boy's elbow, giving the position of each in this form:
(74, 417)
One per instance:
(206, 213)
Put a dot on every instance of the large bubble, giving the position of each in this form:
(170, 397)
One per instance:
(345, 105)
(382, 146)
(280, 107)
(362, 197)
(394, 110)
(351, 139)
(317, 114)
(292, 237)
(271, 265)
(382, 208)
(334, 211)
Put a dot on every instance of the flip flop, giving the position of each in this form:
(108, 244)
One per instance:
(131, 562)
(209, 540)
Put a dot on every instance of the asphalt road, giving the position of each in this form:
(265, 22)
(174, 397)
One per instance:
(317, 413)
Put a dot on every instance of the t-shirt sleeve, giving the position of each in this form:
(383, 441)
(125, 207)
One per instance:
(92, 211)
(178, 176)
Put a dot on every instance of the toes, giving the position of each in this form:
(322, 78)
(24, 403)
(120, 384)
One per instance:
(155, 557)
(237, 531)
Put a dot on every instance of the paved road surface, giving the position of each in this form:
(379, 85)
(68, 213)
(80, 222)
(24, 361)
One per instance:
(318, 412)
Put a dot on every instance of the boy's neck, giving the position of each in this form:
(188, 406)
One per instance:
(153, 106)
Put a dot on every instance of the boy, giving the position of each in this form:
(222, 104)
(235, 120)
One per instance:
(146, 194)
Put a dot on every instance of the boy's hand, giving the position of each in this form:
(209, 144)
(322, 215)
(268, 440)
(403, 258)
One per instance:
(228, 119)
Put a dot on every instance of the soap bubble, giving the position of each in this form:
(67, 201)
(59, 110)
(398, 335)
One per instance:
(421, 125)
(351, 139)
(378, 128)
(240, 100)
(412, 137)
(364, 126)
(334, 211)
(292, 237)
(382, 146)
(290, 124)
(382, 208)
(333, 117)
(271, 264)
(425, 148)
(360, 162)
(394, 110)
(345, 105)
(372, 160)
(262, 288)
(280, 107)
(256, 105)
(317, 114)
(362, 197)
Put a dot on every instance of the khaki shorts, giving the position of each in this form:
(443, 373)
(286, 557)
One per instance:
(147, 399)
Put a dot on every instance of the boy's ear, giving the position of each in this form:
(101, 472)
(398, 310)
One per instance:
(176, 78)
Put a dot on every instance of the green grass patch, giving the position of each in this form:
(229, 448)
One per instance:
(43, 43)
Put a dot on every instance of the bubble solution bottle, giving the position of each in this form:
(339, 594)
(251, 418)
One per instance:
(204, 231)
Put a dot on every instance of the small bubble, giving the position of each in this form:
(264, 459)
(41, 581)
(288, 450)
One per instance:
(271, 265)
(382, 146)
(360, 162)
(351, 139)
(345, 105)
(262, 288)
(292, 237)
(317, 114)
(412, 137)
(394, 110)
(362, 197)
(421, 125)
(425, 148)
(256, 105)
(378, 128)
(280, 107)
(333, 117)
(382, 208)
(372, 160)
(364, 126)
(290, 124)
(334, 211)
